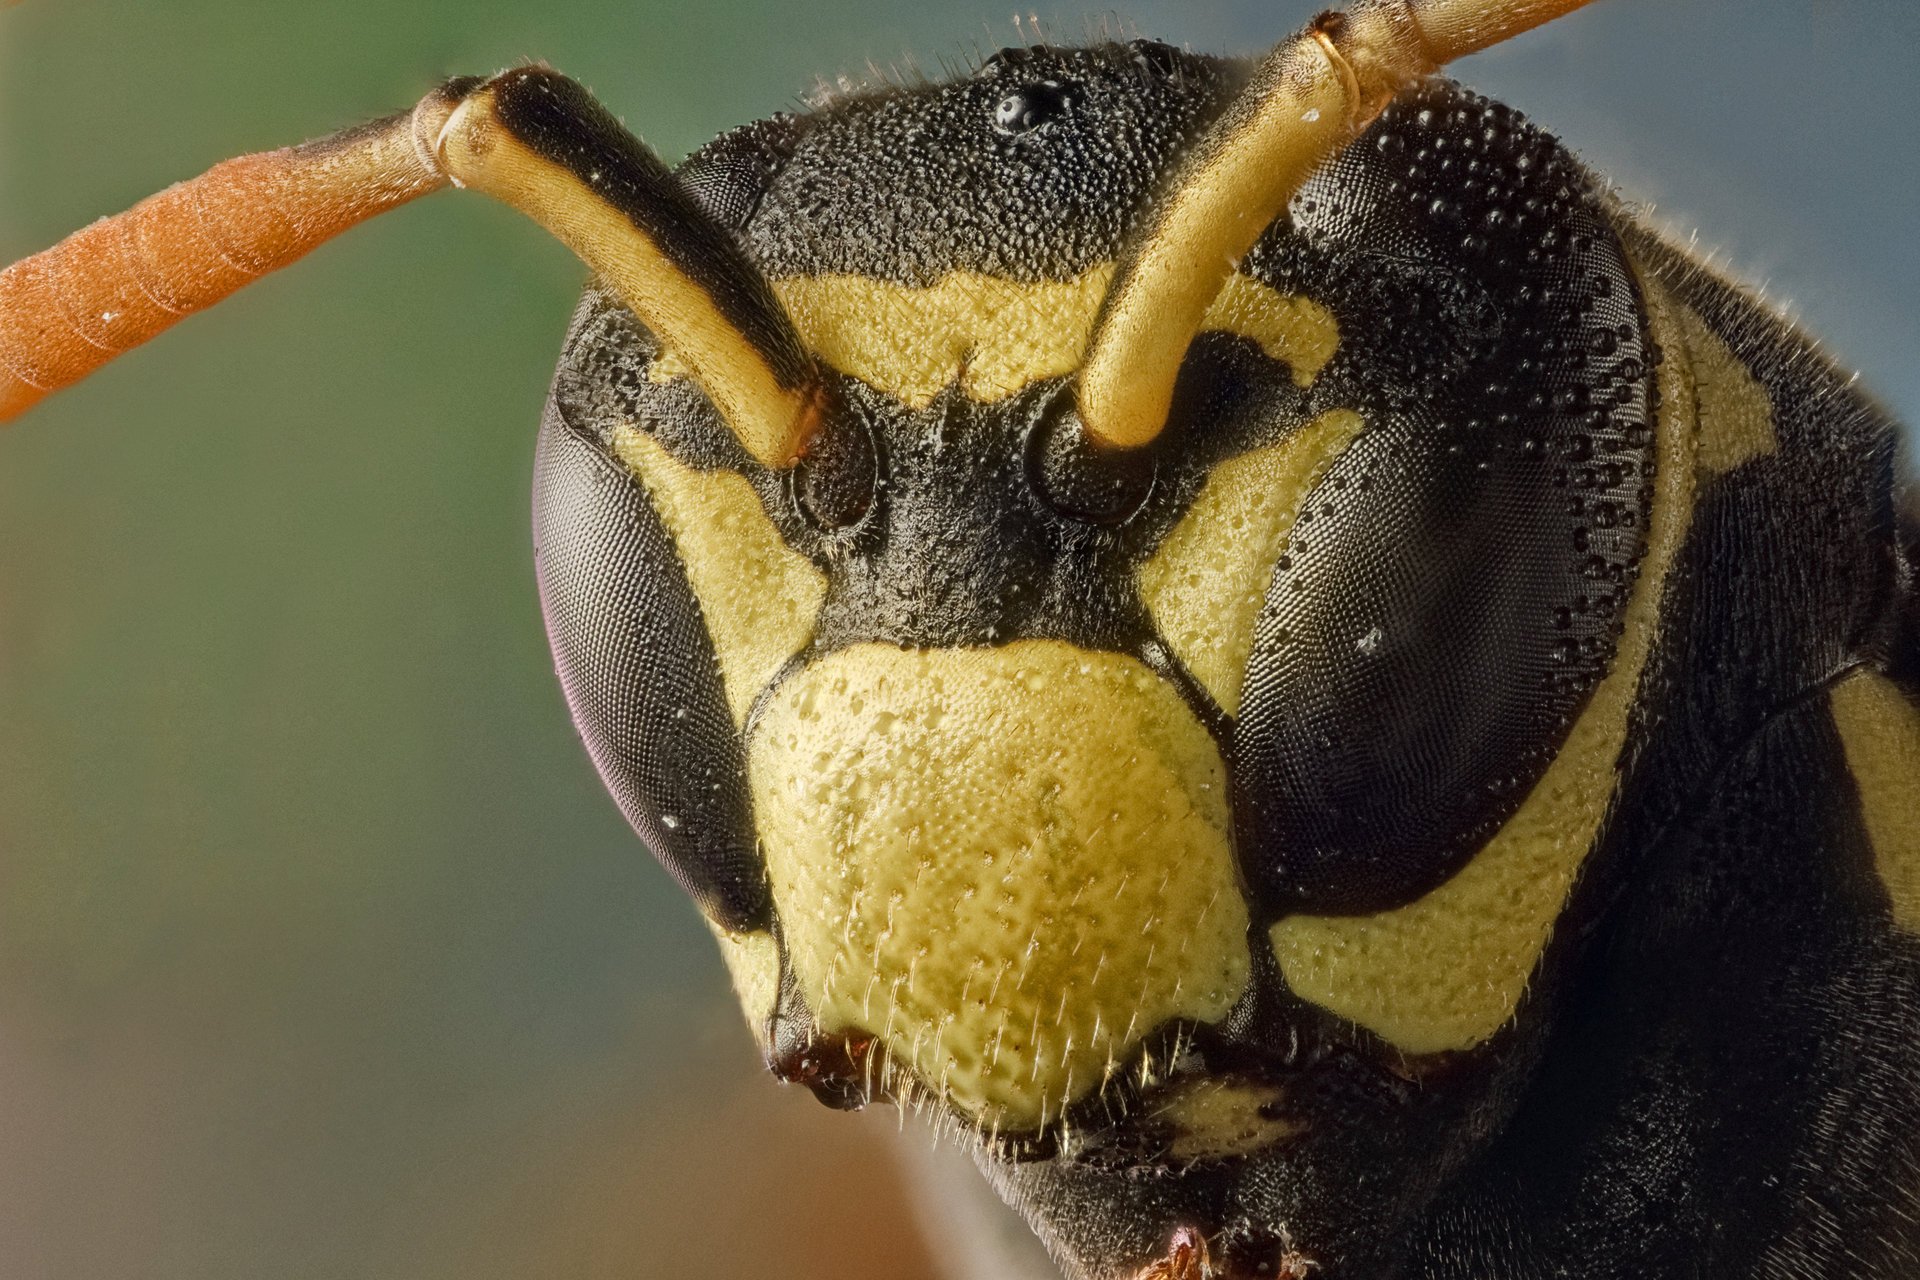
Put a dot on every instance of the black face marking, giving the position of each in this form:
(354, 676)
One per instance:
(958, 544)
(603, 380)
(967, 554)
(1412, 639)
(1449, 596)
(560, 122)
(632, 653)
(910, 185)
(990, 525)
(1080, 478)
(835, 484)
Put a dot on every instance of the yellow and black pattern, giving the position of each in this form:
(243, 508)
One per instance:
(1433, 806)
(1245, 634)
(538, 141)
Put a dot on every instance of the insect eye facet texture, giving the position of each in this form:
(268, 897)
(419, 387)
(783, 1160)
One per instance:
(1442, 801)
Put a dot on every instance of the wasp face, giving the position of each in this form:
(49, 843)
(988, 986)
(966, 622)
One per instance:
(1188, 823)
(1371, 738)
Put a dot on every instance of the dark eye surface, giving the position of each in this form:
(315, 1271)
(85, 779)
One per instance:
(639, 673)
(727, 177)
(1031, 106)
(1452, 591)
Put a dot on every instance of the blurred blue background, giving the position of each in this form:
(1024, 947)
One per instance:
(321, 951)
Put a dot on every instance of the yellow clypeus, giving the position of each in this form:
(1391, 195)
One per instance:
(1012, 865)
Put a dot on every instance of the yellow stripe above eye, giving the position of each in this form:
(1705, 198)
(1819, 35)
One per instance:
(995, 337)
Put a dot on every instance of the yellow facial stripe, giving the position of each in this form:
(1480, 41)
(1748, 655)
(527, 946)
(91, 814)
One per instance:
(1447, 971)
(753, 962)
(1296, 331)
(1734, 411)
(995, 336)
(1205, 584)
(1880, 729)
(992, 336)
(1012, 865)
(759, 597)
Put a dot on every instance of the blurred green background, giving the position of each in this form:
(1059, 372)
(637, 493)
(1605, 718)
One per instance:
(321, 951)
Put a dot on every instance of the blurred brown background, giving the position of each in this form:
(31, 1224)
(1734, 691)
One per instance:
(321, 952)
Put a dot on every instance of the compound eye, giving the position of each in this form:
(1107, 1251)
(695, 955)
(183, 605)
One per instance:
(1078, 476)
(1031, 106)
(835, 483)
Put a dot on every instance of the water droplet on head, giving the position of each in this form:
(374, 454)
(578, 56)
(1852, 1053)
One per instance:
(1030, 107)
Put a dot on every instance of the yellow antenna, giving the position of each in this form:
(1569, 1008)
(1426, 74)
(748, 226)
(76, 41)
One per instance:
(530, 137)
(1310, 97)
(539, 142)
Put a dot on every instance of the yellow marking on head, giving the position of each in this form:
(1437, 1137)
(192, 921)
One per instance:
(1205, 584)
(995, 336)
(1294, 330)
(1880, 730)
(759, 596)
(991, 335)
(1011, 865)
(1735, 413)
(1309, 97)
(1215, 1119)
(753, 962)
(1448, 970)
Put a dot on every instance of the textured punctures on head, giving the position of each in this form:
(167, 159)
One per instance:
(1448, 971)
(1011, 865)
(1246, 172)
(1310, 97)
